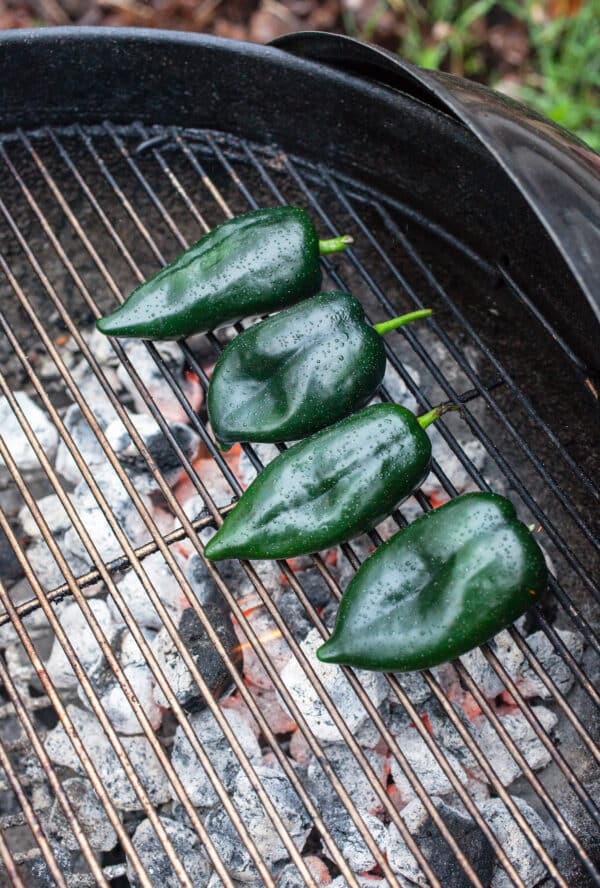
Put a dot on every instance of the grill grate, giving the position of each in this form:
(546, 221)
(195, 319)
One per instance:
(92, 211)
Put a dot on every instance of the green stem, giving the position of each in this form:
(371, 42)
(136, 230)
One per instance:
(335, 245)
(427, 418)
(385, 326)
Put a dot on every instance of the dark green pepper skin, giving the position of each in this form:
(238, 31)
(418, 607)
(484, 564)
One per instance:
(251, 265)
(328, 488)
(441, 586)
(295, 373)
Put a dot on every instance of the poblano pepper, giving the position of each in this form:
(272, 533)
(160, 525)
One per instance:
(251, 265)
(440, 587)
(298, 371)
(328, 488)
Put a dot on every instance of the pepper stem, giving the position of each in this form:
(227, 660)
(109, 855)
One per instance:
(428, 418)
(385, 326)
(335, 244)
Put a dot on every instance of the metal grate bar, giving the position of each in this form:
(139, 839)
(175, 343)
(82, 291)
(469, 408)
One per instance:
(49, 771)
(149, 656)
(534, 722)
(191, 470)
(392, 811)
(189, 530)
(393, 358)
(263, 791)
(410, 336)
(427, 404)
(10, 865)
(31, 818)
(473, 377)
(195, 164)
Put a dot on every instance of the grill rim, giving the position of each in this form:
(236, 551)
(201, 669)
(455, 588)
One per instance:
(157, 76)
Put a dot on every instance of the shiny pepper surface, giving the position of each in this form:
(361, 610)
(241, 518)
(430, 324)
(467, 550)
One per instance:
(440, 587)
(328, 488)
(299, 371)
(250, 265)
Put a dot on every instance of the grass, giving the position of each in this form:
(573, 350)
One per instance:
(559, 75)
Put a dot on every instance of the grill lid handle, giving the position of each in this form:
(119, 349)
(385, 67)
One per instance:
(558, 175)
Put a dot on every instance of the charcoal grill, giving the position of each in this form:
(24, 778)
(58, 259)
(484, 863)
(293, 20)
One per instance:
(117, 150)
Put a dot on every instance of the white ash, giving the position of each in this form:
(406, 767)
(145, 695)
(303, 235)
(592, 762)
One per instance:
(368, 735)
(90, 814)
(112, 697)
(14, 437)
(156, 383)
(20, 668)
(188, 849)
(350, 842)
(203, 653)
(194, 507)
(424, 766)
(230, 847)
(36, 623)
(414, 685)
(435, 849)
(45, 567)
(397, 388)
(452, 466)
(352, 777)
(290, 877)
(525, 738)
(287, 804)
(369, 882)
(94, 521)
(101, 347)
(552, 663)
(103, 756)
(213, 479)
(35, 872)
(338, 688)
(53, 513)
(526, 862)
(222, 757)
(79, 633)
(215, 881)
(86, 442)
(160, 449)
(481, 671)
(91, 389)
(271, 641)
(246, 471)
(165, 585)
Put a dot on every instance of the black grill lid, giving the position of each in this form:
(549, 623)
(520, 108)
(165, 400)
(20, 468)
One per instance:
(558, 174)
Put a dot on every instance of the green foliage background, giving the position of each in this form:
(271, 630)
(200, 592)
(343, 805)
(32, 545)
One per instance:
(559, 75)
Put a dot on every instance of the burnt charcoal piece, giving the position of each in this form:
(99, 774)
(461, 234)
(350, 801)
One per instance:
(187, 847)
(205, 656)
(35, 873)
(10, 569)
(473, 842)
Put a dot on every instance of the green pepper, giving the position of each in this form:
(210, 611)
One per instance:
(298, 371)
(251, 265)
(326, 489)
(441, 586)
